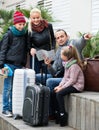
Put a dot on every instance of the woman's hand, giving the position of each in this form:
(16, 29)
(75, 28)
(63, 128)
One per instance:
(33, 51)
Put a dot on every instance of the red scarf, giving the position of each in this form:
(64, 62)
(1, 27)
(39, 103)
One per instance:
(40, 27)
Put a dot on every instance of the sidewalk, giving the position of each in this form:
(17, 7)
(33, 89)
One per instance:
(11, 124)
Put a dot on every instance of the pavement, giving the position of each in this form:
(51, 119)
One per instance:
(18, 124)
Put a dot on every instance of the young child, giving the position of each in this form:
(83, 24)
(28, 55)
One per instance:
(72, 82)
(14, 56)
(40, 36)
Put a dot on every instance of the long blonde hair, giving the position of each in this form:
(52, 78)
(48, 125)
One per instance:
(71, 52)
(31, 12)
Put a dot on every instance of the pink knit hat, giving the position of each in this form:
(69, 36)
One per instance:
(18, 17)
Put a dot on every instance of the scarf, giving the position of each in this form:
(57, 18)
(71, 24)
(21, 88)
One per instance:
(40, 27)
(16, 32)
(68, 64)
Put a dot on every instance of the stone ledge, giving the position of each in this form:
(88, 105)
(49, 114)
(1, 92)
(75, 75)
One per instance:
(83, 109)
(19, 124)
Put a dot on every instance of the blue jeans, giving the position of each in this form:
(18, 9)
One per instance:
(53, 82)
(40, 79)
(37, 64)
(7, 90)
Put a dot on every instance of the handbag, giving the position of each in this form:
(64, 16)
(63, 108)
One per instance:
(91, 73)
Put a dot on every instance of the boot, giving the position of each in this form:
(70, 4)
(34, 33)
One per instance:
(63, 119)
(57, 119)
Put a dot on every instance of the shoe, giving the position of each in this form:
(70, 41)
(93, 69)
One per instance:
(7, 113)
(57, 119)
(64, 119)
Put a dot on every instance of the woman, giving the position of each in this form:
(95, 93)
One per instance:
(40, 36)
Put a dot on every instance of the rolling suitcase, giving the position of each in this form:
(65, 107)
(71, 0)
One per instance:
(36, 105)
(22, 78)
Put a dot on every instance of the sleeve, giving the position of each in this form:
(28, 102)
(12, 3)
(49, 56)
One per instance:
(29, 41)
(3, 50)
(53, 43)
(79, 44)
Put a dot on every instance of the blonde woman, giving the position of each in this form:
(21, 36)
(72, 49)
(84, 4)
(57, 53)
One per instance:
(72, 82)
(40, 36)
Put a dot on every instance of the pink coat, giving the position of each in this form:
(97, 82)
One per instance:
(73, 76)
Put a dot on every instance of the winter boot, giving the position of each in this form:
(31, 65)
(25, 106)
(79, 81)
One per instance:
(63, 119)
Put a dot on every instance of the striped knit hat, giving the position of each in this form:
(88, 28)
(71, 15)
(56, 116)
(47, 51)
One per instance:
(18, 17)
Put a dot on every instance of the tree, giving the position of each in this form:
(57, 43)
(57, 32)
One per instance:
(6, 17)
(5, 20)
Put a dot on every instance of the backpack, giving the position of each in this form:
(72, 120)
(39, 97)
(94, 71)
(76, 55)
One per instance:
(10, 38)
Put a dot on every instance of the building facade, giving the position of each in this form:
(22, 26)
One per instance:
(71, 15)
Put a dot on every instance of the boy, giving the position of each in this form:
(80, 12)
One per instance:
(14, 56)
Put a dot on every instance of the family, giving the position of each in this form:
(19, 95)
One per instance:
(64, 74)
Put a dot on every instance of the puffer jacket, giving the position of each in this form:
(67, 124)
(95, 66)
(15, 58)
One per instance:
(15, 53)
(42, 40)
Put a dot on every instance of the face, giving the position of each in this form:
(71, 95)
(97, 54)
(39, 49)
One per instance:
(61, 37)
(20, 26)
(35, 18)
(64, 58)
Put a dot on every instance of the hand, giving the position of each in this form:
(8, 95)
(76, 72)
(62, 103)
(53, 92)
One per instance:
(87, 36)
(33, 51)
(3, 70)
(58, 88)
(47, 61)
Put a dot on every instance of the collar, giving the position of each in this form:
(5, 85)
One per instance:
(69, 63)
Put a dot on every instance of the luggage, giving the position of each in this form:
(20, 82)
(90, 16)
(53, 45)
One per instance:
(22, 78)
(43, 76)
(91, 73)
(36, 105)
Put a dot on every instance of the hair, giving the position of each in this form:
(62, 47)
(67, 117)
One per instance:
(62, 30)
(31, 12)
(71, 52)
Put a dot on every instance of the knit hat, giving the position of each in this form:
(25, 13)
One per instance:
(18, 17)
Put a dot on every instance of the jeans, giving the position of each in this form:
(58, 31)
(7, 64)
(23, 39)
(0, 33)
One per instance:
(37, 65)
(53, 82)
(7, 90)
(40, 79)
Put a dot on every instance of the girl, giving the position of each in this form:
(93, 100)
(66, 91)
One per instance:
(40, 36)
(72, 82)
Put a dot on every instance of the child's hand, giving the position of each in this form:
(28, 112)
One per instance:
(57, 89)
(3, 70)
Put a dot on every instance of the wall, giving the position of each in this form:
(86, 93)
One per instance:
(11, 4)
(75, 14)
(80, 16)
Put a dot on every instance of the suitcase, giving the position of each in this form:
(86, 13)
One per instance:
(36, 105)
(22, 78)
